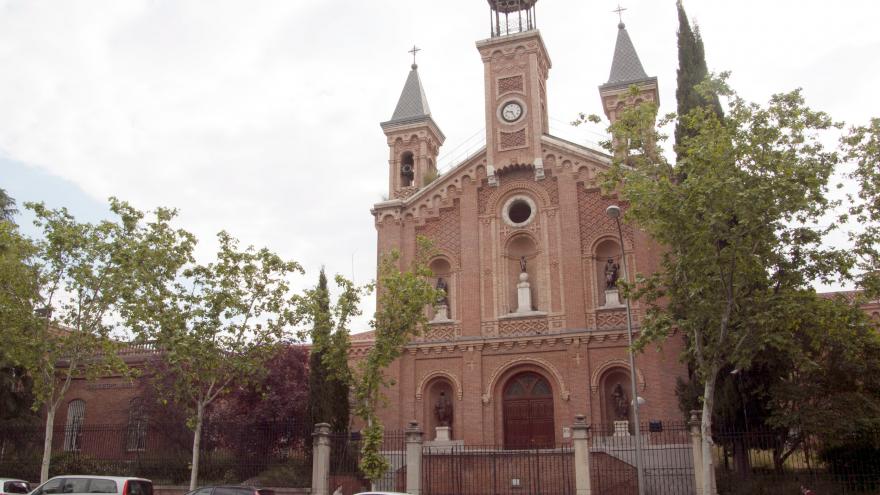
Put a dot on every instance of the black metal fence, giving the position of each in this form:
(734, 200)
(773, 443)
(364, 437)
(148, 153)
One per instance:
(276, 454)
(478, 470)
(776, 461)
(666, 458)
(345, 456)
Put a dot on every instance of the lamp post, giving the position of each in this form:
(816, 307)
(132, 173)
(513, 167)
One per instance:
(613, 211)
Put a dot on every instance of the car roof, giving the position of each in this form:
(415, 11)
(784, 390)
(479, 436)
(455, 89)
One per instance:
(100, 477)
(4, 480)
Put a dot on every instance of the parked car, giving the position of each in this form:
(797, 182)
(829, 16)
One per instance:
(10, 486)
(231, 490)
(95, 484)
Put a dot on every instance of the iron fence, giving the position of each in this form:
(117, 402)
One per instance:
(666, 458)
(478, 470)
(781, 460)
(271, 453)
(345, 457)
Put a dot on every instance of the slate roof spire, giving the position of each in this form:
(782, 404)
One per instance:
(626, 68)
(413, 104)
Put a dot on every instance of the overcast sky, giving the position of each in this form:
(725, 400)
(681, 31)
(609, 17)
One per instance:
(262, 117)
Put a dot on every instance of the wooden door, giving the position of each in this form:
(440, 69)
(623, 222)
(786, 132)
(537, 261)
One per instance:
(528, 412)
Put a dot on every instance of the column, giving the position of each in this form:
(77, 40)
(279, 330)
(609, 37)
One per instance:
(580, 440)
(413, 458)
(321, 459)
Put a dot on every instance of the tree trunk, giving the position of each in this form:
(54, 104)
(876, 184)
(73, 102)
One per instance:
(741, 461)
(706, 432)
(197, 443)
(47, 443)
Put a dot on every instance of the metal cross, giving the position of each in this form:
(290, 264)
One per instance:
(619, 10)
(414, 50)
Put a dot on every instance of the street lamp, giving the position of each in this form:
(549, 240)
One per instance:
(613, 211)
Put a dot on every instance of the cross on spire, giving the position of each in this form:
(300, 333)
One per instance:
(414, 50)
(619, 11)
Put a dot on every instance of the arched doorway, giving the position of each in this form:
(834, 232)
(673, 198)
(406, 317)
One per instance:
(528, 412)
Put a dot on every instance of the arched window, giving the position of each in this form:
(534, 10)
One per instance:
(136, 439)
(528, 412)
(76, 415)
(407, 169)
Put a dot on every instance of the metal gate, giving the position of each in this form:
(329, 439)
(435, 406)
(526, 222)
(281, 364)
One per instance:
(476, 470)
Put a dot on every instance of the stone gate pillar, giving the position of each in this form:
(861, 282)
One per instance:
(580, 440)
(321, 459)
(413, 458)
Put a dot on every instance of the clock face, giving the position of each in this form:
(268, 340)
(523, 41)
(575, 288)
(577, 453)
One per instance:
(511, 111)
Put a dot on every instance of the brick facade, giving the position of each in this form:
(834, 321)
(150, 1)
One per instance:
(573, 337)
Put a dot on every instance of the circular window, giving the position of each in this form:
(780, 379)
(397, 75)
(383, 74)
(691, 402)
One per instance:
(519, 211)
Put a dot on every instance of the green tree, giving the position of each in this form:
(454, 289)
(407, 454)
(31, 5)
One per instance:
(7, 206)
(217, 325)
(85, 275)
(862, 148)
(831, 371)
(329, 374)
(741, 230)
(691, 72)
(403, 295)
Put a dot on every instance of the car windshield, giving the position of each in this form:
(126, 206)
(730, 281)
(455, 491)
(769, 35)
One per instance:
(16, 487)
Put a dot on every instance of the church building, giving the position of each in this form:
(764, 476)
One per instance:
(532, 331)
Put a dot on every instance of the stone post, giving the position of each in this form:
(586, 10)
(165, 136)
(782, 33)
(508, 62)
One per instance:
(413, 458)
(321, 459)
(697, 450)
(580, 440)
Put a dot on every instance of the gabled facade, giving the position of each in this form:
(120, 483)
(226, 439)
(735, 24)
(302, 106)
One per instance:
(531, 332)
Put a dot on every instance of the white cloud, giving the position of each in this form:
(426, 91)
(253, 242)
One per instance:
(261, 118)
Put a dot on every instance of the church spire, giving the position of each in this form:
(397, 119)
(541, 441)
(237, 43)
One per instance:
(413, 137)
(413, 104)
(626, 72)
(626, 68)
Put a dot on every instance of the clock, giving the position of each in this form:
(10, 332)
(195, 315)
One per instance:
(511, 112)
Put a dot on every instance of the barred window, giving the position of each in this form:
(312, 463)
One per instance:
(76, 415)
(136, 438)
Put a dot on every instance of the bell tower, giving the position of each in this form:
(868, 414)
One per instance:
(626, 72)
(515, 68)
(414, 139)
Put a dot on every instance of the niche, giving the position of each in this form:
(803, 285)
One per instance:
(606, 250)
(437, 391)
(616, 392)
(442, 270)
(522, 251)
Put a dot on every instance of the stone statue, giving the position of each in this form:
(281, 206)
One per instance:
(443, 410)
(612, 272)
(621, 405)
(522, 264)
(443, 297)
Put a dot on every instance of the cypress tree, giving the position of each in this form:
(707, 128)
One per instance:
(691, 72)
(328, 366)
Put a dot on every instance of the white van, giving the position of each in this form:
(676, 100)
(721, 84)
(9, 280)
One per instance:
(95, 484)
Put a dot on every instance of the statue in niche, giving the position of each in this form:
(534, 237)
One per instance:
(443, 410)
(522, 264)
(612, 272)
(620, 403)
(443, 289)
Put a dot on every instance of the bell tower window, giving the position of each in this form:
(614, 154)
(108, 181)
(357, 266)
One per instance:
(407, 169)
